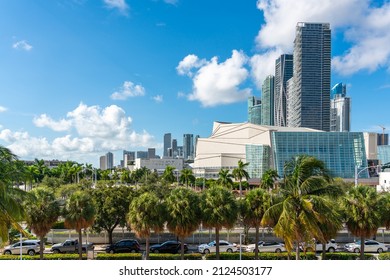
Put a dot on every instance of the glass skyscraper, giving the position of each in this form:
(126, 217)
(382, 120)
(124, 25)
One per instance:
(188, 146)
(283, 72)
(310, 96)
(267, 101)
(167, 143)
(254, 110)
(340, 109)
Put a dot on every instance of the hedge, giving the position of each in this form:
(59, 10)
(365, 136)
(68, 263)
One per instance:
(384, 256)
(262, 256)
(347, 256)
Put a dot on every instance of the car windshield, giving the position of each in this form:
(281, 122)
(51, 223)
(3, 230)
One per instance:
(211, 244)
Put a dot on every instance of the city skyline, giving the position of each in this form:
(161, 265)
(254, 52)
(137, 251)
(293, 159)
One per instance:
(81, 78)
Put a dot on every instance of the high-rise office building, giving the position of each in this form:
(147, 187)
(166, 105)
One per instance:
(103, 163)
(109, 160)
(188, 146)
(310, 97)
(254, 110)
(283, 72)
(142, 154)
(340, 109)
(151, 153)
(167, 143)
(267, 101)
(174, 148)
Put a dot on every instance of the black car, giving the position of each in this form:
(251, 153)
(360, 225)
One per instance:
(124, 246)
(172, 247)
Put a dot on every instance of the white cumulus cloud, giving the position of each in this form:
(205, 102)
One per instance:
(188, 63)
(22, 45)
(95, 130)
(45, 121)
(121, 5)
(158, 98)
(129, 89)
(217, 83)
(3, 109)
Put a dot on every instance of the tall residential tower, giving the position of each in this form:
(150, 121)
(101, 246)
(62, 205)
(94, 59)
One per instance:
(310, 95)
(283, 72)
(340, 109)
(267, 101)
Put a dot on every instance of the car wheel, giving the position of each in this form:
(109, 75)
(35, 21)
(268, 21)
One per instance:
(357, 250)
(156, 251)
(331, 250)
(229, 250)
(380, 250)
(31, 253)
(56, 251)
(133, 251)
(278, 250)
(112, 251)
(7, 253)
(206, 251)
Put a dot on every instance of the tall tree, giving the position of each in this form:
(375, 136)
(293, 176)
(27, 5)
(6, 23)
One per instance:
(219, 209)
(147, 212)
(79, 214)
(187, 176)
(168, 176)
(112, 205)
(362, 209)
(183, 213)
(252, 209)
(240, 173)
(42, 211)
(11, 210)
(268, 179)
(225, 178)
(302, 205)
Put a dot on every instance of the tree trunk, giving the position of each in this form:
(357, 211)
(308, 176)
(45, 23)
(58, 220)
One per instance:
(182, 247)
(323, 250)
(362, 248)
(257, 243)
(80, 245)
(41, 239)
(240, 189)
(110, 235)
(217, 243)
(297, 250)
(147, 248)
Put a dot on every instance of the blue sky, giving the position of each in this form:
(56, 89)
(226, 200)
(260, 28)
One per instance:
(79, 78)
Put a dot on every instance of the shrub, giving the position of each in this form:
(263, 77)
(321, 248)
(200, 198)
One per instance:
(262, 256)
(120, 256)
(348, 256)
(384, 256)
(194, 256)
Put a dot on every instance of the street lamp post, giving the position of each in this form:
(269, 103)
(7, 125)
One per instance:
(358, 172)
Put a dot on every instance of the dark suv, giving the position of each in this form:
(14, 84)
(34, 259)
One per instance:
(124, 246)
(172, 247)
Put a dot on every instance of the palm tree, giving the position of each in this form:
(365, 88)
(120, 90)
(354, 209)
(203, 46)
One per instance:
(303, 204)
(268, 179)
(239, 173)
(168, 174)
(11, 210)
(183, 213)
(225, 178)
(362, 209)
(32, 174)
(187, 176)
(42, 211)
(79, 214)
(219, 209)
(252, 209)
(146, 213)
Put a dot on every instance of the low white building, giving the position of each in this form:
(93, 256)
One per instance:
(384, 182)
(159, 164)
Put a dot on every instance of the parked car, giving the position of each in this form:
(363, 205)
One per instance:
(124, 246)
(172, 247)
(276, 247)
(30, 247)
(369, 246)
(71, 246)
(224, 246)
(330, 246)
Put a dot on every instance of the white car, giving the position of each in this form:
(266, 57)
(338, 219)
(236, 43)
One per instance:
(224, 246)
(30, 247)
(330, 246)
(369, 246)
(266, 247)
